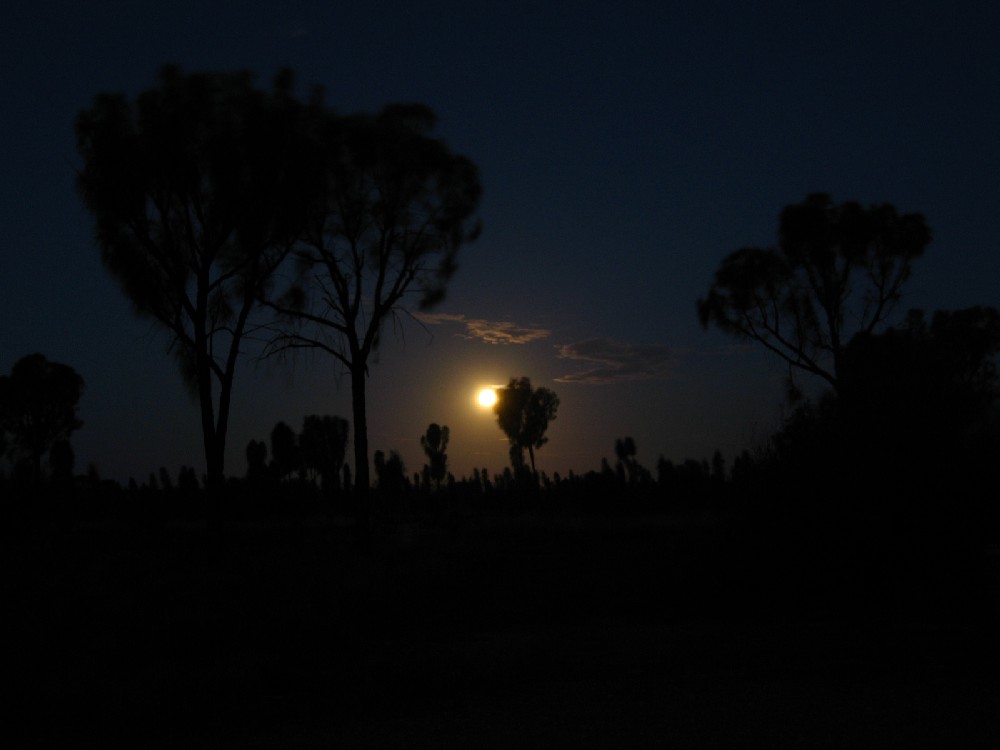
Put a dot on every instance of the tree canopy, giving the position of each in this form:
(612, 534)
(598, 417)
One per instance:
(837, 270)
(524, 413)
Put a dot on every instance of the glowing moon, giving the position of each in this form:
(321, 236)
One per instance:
(487, 397)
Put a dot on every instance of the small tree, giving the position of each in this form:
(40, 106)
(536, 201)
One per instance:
(285, 455)
(625, 451)
(322, 444)
(390, 473)
(256, 460)
(435, 443)
(38, 409)
(523, 414)
(837, 270)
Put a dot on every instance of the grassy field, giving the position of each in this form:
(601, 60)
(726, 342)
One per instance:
(485, 631)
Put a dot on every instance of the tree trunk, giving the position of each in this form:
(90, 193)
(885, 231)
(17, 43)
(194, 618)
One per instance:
(362, 480)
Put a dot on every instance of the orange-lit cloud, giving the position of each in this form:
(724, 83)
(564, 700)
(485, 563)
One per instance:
(488, 331)
(609, 361)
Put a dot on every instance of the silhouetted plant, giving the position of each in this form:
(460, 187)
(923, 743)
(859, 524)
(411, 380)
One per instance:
(837, 270)
(322, 444)
(390, 473)
(435, 443)
(285, 455)
(197, 189)
(395, 207)
(165, 481)
(665, 471)
(628, 467)
(523, 414)
(718, 466)
(256, 460)
(38, 408)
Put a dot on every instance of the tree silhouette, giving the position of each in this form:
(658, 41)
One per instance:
(625, 453)
(322, 444)
(256, 460)
(837, 270)
(523, 414)
(197, 189)
(435, 443)
(390, 473)
(285, 455)
(38, 409)
(396, 207)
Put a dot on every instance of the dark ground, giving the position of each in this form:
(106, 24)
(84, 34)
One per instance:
(492, 631)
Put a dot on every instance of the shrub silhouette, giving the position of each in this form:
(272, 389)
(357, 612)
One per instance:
(38, 410)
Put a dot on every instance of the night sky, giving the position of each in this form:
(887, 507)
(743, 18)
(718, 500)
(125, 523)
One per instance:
(625, 149)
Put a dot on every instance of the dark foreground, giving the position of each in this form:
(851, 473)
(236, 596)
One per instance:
(522, 631)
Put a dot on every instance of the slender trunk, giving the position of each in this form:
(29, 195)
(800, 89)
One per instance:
(203, 371)
(222, 428)
(213, 459)
(531, 455)
(362, 479)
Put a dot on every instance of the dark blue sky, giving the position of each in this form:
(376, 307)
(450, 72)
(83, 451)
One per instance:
(625, 149)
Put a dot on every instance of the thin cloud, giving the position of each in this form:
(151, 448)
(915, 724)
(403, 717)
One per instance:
(609, 361)
(488, 331)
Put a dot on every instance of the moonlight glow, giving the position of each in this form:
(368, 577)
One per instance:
(487, 397)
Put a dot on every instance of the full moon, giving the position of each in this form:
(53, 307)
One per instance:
(487, 397)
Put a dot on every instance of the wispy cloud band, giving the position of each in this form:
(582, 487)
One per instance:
(488, 331)
(609, 361)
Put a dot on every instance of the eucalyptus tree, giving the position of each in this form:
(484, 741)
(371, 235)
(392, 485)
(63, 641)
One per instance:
(197, 187)
(395, 207)
(838, 270)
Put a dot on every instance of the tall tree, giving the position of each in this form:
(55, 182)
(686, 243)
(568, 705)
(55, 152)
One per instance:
(396, 207)
(523, 414)
(38, 408)
(837, 270)
(197, 188)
